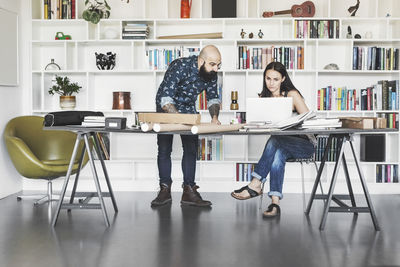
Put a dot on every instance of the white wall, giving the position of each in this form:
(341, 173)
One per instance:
(11, 105)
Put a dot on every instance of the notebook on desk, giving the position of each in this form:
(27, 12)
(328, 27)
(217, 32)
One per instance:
(270, 110)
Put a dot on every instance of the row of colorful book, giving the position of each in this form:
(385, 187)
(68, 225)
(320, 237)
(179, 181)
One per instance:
(322, 142)
(258, 58)
(160, 58)
(131, 30)
(243, 171)
(392, 119)
(59, 9)
(387, 173)
(201, 103)
(316, 29)
(384, 95)
(375, 58)
(210, 148)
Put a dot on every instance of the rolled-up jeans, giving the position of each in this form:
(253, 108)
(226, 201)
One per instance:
(190, 145)
(277, 150)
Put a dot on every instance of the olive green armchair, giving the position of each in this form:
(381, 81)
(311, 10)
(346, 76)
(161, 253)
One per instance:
(40, 154)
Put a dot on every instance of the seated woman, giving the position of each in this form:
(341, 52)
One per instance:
(277, 83)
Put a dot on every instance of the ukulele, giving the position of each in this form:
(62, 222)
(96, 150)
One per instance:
(307, 9)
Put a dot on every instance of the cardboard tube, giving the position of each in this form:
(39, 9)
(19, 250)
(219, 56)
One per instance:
(146, 127)
(170, 127)
(214, 128)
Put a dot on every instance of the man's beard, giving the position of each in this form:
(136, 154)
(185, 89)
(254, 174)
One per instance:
(205, 75)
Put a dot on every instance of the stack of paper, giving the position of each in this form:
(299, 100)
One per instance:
(94, 121)
(321, 123)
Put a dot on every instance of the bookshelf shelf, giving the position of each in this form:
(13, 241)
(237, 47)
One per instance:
(132, 72)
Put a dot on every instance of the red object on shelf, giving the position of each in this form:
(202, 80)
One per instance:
(185, 8)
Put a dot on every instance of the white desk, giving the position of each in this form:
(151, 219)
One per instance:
(344, 135)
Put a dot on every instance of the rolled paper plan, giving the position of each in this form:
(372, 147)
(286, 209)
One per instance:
(170, 127)
(215, 128)
(146, 127)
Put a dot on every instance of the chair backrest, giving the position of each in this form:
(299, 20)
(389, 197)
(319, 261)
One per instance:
(46, 145)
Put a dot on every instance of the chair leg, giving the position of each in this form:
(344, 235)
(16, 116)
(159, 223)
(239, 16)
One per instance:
(262, 194)
(41, 198)
(302, 186)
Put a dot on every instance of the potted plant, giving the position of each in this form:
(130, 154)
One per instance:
(65, 89)
(97, 9)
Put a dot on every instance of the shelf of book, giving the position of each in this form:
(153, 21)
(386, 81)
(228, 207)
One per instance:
(133, 72)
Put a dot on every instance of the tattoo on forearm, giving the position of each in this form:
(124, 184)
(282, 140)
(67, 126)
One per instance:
(170, 108)
(214, 110)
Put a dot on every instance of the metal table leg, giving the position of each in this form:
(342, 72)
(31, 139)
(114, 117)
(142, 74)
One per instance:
(103, 165)
(318, 178)
(71, 200)
(332, 186)
(96, 180)
(365, 188)
(64, 188)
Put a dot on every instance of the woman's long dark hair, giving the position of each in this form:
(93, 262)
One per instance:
(286, 85)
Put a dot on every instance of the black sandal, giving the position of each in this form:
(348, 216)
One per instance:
(270, 207)
(251, 192)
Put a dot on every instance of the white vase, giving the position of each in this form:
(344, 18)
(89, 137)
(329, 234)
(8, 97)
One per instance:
(67, 102)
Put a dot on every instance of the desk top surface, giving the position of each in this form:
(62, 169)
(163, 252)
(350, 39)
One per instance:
(77, 128)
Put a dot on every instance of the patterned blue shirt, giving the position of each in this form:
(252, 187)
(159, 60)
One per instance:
(182, 84)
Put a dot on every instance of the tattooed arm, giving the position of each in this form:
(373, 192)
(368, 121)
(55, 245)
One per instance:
(170, 108)
(214, 113)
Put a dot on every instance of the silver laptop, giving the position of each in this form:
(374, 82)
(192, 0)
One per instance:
(268, 109)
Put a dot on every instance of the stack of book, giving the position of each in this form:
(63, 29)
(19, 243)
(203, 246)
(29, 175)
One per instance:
(135, 31)
(94, 121)
(259, 57)
(316, 29)
(375, 58)
(160, 58)
(59, 9)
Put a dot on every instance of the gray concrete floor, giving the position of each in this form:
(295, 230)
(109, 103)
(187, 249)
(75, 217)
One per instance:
(232, 233)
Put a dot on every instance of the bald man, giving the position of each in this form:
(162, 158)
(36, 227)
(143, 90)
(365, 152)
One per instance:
(183, 81)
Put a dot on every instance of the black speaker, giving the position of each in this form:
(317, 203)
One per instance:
(224, 8)
(372, 147)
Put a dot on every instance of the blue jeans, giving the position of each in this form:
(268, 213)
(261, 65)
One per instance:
(277, 150)
(190, 144)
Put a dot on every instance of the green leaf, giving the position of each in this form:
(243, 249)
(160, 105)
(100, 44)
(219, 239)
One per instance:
(95, 18)
(107, 14)
(107, 6)
(86, 15)
(86, 2)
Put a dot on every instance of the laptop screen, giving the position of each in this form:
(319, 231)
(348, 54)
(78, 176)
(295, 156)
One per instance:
(268, 109)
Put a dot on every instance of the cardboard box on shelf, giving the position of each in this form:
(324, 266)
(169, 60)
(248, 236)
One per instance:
(363, 122)
(155, 117)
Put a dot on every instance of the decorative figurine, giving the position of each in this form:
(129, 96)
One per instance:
(331, 66)
(62, 36)
(353, 9)
(242, 34)
(348, 35)
(52, 66)
(251, 35)
(234, 98)
(105, 61)
(357, 36)
(260, 34)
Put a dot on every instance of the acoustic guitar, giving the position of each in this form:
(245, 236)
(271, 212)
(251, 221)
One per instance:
(307, 9)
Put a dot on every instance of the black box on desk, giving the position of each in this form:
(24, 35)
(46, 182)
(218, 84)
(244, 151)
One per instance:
(372, 147)
(116, 123)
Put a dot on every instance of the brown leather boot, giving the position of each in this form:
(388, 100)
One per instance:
(191, 197)
(163, 197)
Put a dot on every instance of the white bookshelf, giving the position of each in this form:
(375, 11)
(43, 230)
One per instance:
(133, 157)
